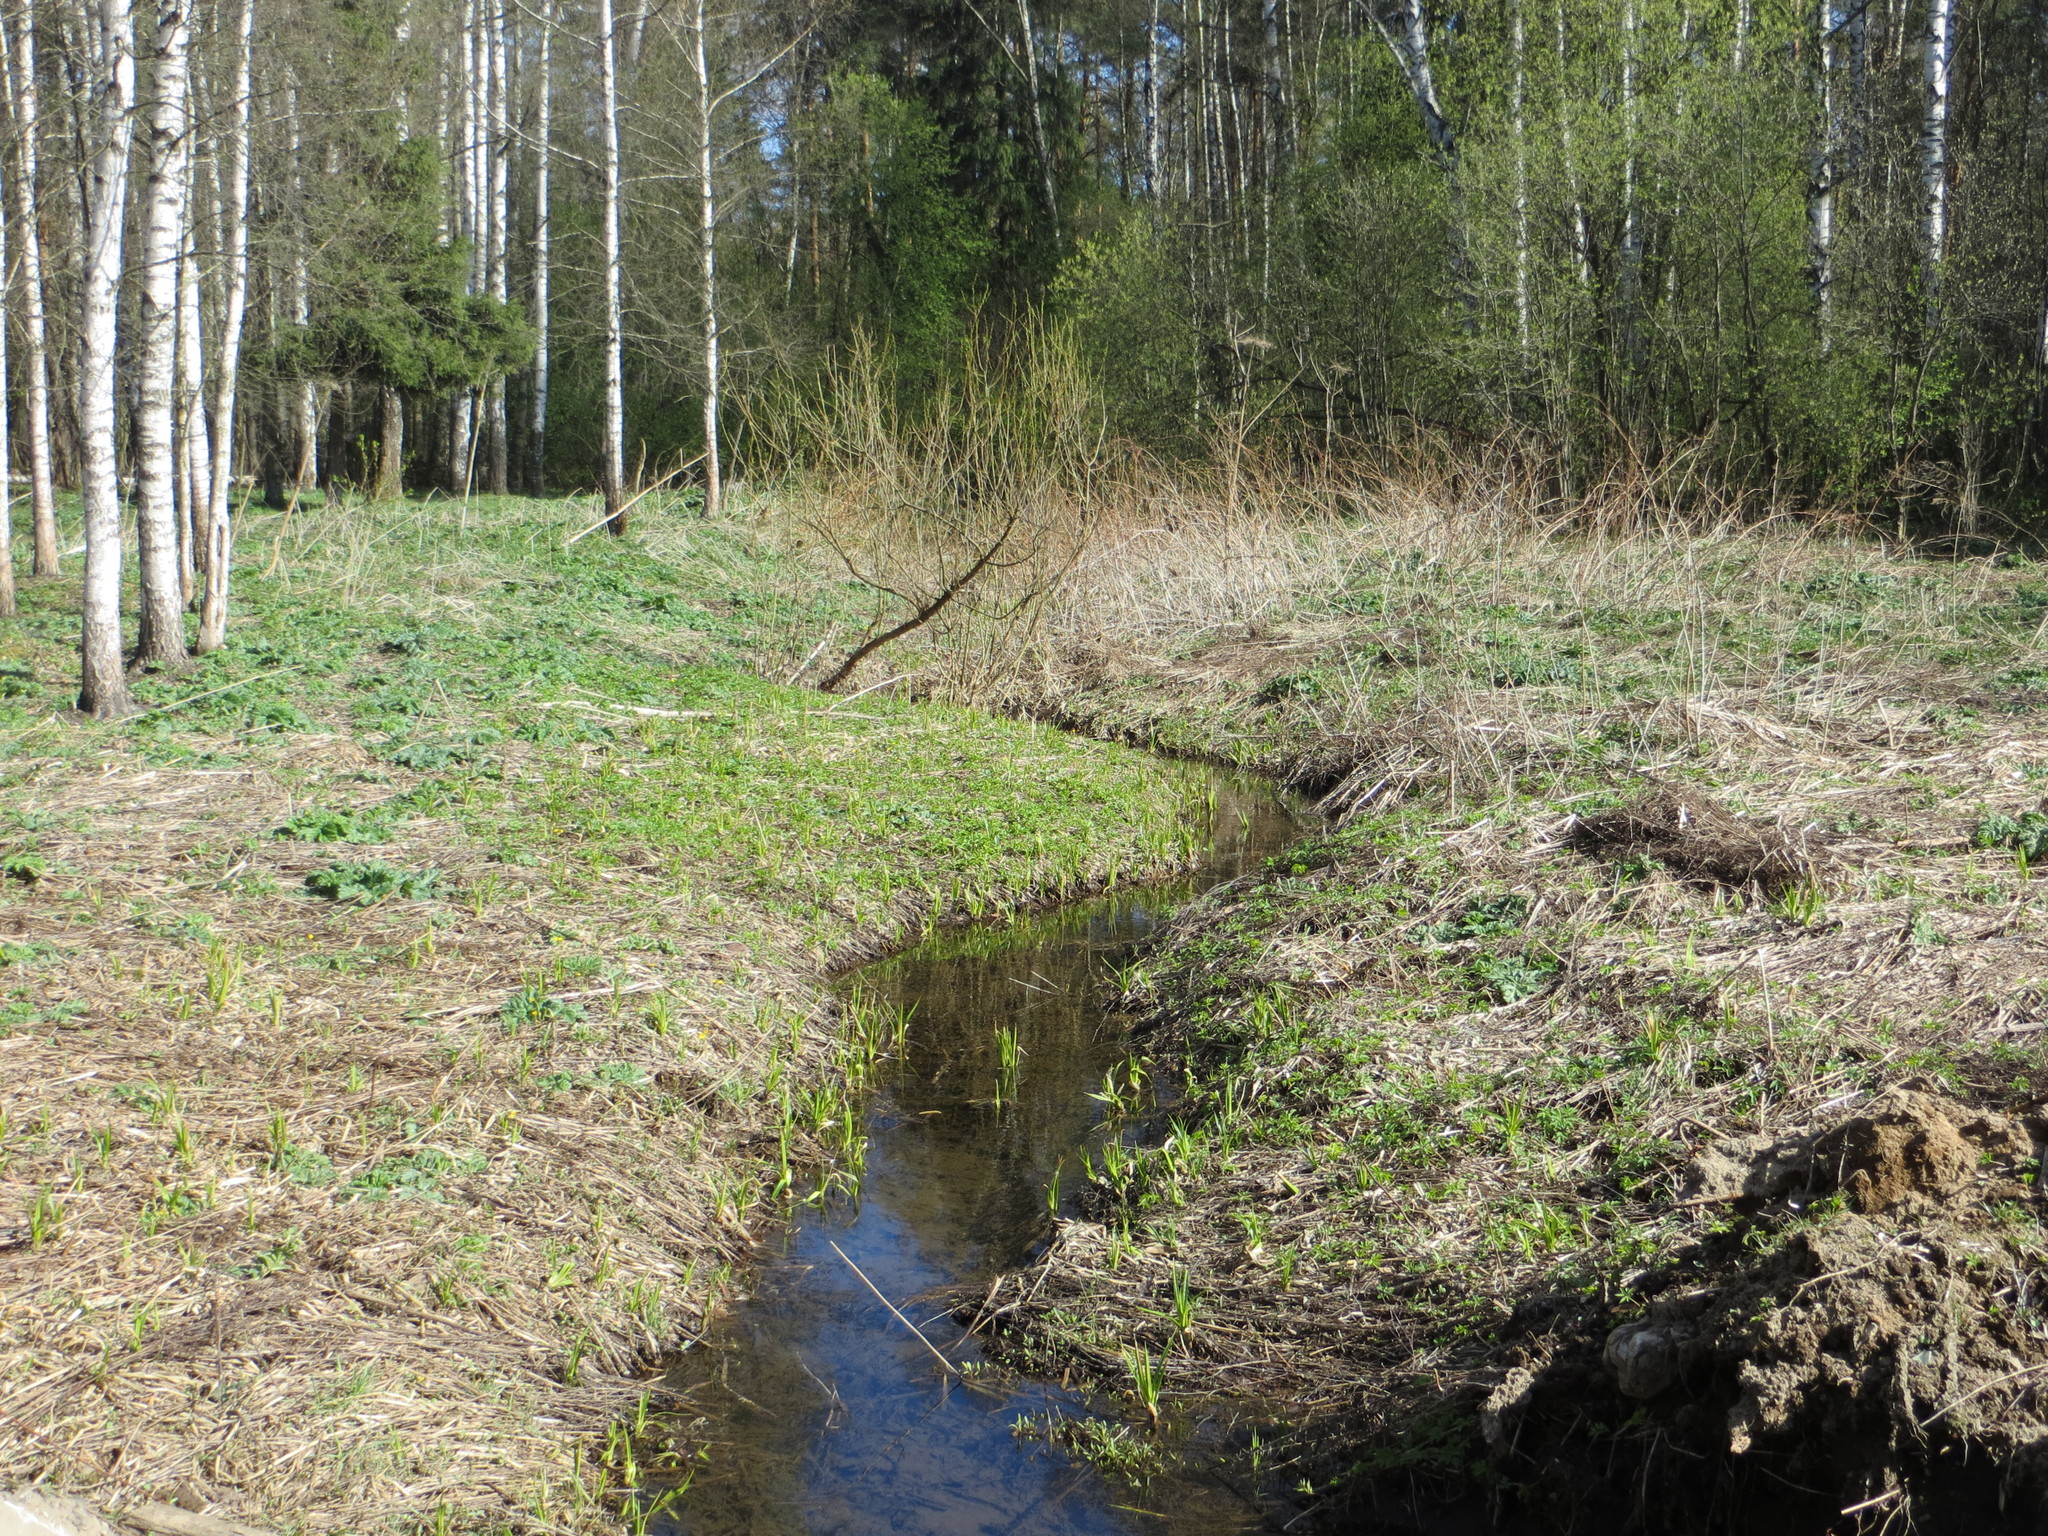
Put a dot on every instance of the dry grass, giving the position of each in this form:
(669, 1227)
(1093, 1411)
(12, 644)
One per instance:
(386, 1215)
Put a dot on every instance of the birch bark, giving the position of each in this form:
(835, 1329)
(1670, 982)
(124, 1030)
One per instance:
(7, 600)
(1407, 35)
(1519, 109)
(1152, 106)
(24, 97)
(161, 641)
(707, 233)
(1820, 193)
(110, 108)
(542, 234)
(612, 472)
(195, 457)
(1938, 57)
(1039, 142)
(497, 463)
(219, 537)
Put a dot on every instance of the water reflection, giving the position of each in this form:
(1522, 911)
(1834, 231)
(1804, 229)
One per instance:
(836, 1419)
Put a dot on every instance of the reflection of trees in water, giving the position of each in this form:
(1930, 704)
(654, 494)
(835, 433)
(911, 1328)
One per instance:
(826, 1417)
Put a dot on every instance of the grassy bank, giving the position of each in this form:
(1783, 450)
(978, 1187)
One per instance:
(405, 1024)
(1626, 1115)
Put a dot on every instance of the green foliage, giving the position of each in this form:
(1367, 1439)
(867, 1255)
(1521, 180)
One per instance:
(417, 1175)
(532, 1004)
(392, 304)
(1490, 918)
(317, 825)
(2026, 833)
(372, 881)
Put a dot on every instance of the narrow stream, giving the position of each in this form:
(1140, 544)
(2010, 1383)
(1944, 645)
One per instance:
(832, 1417)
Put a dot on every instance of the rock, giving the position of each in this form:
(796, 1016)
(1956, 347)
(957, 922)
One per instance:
(1503, 1407)
(1648, 1358)
(1749, 1167)
(33, 1512)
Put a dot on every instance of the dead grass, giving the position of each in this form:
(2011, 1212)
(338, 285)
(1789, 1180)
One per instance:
(385, 1215)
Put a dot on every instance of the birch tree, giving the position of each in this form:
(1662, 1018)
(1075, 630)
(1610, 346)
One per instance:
(108, 114)
(7, 597)
(194, 452)
(219, 535)
(24, 100)
(612, 468)
(537, 435)
(1938, 54)
(161, 640)
(707, 235)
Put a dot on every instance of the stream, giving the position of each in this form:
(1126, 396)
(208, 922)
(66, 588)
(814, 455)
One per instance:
(831, 1416)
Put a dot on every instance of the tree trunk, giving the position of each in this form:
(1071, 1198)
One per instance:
(1631, 201)
(707, 231)
(1939, 55)
(103, 691)
(390, 448)
(161, 641)
(1152, 106)
(1820, 192)
(7, 599)
(1582, 233)
(536, 475)
(1518, 102)
(213, 611)
(612, 472)
(498, 462)
(25, 99)
(1040, 144)
(1407, 35)
(195, 457)
(303, 395)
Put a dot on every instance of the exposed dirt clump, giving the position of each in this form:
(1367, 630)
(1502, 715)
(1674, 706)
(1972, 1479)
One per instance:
(1696, 838)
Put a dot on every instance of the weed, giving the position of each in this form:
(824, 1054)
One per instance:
(373, 881)
(318, 825)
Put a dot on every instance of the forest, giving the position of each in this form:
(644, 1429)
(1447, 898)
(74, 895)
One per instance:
(1712, 255)
(1001, 765)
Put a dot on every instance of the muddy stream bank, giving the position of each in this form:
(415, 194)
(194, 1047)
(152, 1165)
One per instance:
(831, 1415)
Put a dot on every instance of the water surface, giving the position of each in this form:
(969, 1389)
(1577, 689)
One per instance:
(832, 1417)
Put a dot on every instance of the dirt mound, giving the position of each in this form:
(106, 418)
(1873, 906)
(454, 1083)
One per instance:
(1872, 1353)
(1698, 839)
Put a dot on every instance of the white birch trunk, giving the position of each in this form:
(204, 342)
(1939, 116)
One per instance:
(7, 600)
(26, 101)
(1152, 106)
(1745, 21)
(612, 472)
(1631, 201)
(1407, 35)
(1934, 150)
(1582, 233)
(542, 236)
(1519, 111)
(298, 298)
(195, 458)
(161, 640)
(110, 107)
(1820, 192)
(1040, 143)
(707, 231)
(219, 537)
(499, 231)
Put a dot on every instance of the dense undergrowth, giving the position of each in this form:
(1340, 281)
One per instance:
(407, 1021)
(1626, 1115)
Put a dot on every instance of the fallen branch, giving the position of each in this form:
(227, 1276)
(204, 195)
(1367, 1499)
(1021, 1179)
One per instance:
(629, 506)
(885, 1301)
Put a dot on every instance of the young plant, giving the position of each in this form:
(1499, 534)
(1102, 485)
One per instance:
(1146, 1379)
